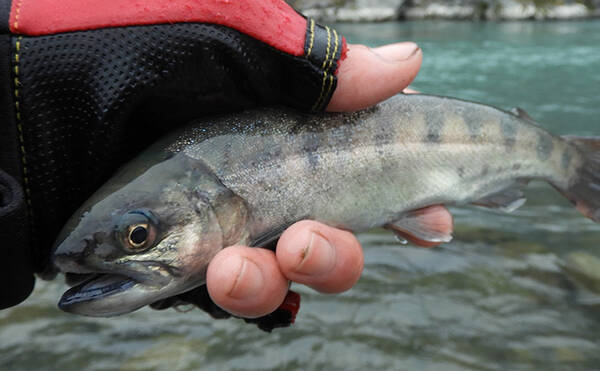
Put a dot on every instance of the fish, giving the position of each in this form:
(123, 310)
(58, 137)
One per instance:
(150, 232)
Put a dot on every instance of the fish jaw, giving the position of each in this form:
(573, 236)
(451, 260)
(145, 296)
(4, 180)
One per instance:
(125, 290)
(104, 295)
(106, 289)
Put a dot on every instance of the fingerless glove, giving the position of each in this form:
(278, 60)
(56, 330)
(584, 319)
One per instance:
(86, 84)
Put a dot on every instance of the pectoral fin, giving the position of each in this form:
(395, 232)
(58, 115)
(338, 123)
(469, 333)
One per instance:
(429, 226)
(268, 240)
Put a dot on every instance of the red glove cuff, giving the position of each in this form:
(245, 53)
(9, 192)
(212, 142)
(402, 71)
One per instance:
(271, 21)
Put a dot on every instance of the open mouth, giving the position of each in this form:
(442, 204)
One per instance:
(98, 292)
(93, 287)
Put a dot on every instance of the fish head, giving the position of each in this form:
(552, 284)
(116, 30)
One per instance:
(147, 240)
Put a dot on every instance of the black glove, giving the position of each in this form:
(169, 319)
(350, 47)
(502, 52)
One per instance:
(283, 316)
(88, 84)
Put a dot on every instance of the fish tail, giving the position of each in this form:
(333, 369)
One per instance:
(584, 189)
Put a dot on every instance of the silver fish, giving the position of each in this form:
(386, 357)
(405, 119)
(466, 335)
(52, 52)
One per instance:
(151, 231)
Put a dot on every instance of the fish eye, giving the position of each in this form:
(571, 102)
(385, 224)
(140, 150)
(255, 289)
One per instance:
(138, 235)
(137, 230)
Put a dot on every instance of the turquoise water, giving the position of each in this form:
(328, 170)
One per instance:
(518, 291)
(550, 69)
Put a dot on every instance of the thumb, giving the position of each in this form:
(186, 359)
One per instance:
(368, 76)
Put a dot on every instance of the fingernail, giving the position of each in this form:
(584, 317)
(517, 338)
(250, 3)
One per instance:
(406, 52)
(412, 53)
(398, 52)
(317, 257)
(249, 280)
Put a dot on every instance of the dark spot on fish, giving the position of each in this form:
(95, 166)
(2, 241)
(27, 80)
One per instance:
(434, 132)
(509, 131)
(460, 171)
(340, 138)
(516, 166)
(567, 156)
(313, 160)
(485, 170)
(266, 152)
(544, 146)
(380, 139)
(384, 131)
(434, 120)
(310, 148)
(474, 125)
(432, 138)
(275, 151)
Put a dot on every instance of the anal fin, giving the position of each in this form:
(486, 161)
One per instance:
(429, 226)
(507, 200)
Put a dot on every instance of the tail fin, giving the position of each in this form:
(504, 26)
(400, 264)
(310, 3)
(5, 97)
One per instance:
(584, 192)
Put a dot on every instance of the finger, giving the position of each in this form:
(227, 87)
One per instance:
(368, 76)
(327, 259)
(246, 281)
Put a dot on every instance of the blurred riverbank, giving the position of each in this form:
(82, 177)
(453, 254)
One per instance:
(388, 10)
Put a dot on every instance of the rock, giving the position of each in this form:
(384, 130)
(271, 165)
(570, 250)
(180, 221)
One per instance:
(511, 10)
(441, 11)
(350, 10)
(515, 10)
(386, 10)
(566, 354)
(353, 15)
(567, 11)
(584, 269)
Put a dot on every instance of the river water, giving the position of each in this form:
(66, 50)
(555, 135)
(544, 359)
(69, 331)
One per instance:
(518, 291)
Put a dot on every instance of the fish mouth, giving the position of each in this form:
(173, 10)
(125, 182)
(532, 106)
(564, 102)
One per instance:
(107, 294)
(94, 287)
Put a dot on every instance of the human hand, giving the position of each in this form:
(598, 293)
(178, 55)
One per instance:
(252, 282)
(94, 88)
